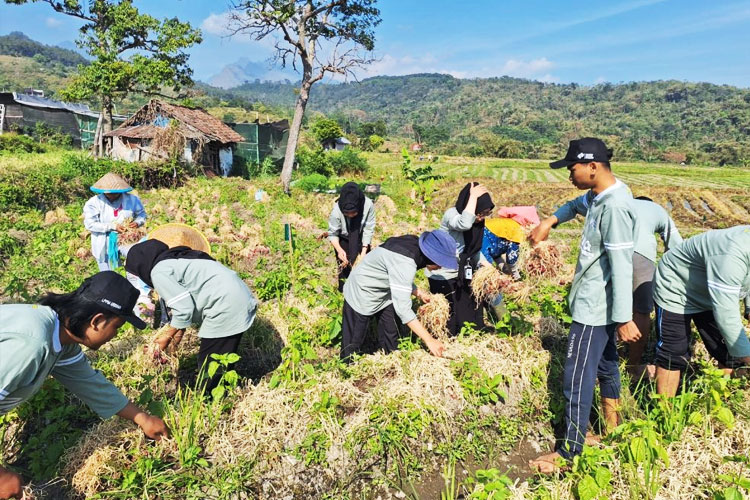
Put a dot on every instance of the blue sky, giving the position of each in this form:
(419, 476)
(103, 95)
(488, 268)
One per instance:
(586, 42)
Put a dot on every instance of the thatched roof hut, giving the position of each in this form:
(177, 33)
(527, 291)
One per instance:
(160, 130)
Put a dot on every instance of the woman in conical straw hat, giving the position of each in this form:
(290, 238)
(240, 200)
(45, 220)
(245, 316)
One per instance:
(104, 215)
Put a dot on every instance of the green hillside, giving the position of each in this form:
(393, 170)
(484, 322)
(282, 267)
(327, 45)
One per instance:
(510, 117)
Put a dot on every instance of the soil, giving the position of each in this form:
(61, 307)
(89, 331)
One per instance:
(514, 464)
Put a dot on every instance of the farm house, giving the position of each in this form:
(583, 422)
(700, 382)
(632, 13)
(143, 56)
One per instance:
(21, 112)
(160, 130)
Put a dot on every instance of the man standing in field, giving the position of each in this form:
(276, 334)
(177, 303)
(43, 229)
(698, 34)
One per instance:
(601, 299)
(702, 282)
(652, 219)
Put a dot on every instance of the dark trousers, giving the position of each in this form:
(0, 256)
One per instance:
(464, 308)
(592, 354)
(354, 330)
(344, 271)
(222, 345)
(674, 337)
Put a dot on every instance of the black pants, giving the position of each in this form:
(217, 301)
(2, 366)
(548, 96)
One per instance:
(674, 338)
(222, 345)
(464, 308)
(354, 330)
(344, 271)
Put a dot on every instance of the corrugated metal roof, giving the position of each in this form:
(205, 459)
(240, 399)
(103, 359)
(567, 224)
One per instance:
(43, 102)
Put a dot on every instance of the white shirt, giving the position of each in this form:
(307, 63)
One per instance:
(100, 216)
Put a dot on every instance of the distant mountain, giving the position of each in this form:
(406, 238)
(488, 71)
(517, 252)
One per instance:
(245, 71)
(19, 45)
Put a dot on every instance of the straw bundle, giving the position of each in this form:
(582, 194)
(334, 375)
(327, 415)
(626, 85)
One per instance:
(545, 259)
(434, 315)
(488, 282)
(130, 234)
(56, 216)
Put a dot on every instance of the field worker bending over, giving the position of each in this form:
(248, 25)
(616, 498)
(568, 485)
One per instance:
(465, 224)
(350, 228)
(702, 281)
(41, 340)
(652, 219)
(601, 296)
(196, 289)
(382, 286)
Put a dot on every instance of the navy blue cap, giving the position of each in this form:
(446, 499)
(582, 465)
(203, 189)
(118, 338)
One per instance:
(440, 248)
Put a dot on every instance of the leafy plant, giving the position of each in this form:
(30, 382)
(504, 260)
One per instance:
(422, 177)
(479, 388)
(488, 484)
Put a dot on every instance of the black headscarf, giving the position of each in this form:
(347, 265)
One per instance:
(408, 246)
(472, 237)
(143, 257)
(352, 198)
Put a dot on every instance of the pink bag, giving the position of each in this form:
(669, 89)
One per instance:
(526, 216)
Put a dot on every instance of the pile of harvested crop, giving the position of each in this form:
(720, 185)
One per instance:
(434, 315)
(545, 259)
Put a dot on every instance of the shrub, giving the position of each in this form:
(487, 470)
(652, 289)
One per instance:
(314, 161)
(348, 161)
(312, 182)
(325, 129)
(15, 143)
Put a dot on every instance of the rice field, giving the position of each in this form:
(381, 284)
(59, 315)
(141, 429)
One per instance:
(299, 424)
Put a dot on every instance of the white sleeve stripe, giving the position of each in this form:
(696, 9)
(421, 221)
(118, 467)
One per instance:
(3, 392)
(402, 288)
(70, 361)
(178, 298)
(724, 288)
(618, 246)
(2, 396)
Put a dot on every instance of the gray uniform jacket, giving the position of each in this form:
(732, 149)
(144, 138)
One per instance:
(337, 223)
(382, 278)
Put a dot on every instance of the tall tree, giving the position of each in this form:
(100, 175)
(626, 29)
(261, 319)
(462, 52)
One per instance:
(320, 36)
(130, 51)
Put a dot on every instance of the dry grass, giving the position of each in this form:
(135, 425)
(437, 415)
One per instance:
(434, 315)
(488, 282)
(545, 260)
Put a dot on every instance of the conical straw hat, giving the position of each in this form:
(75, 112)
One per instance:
(111, 183)
(175, 235)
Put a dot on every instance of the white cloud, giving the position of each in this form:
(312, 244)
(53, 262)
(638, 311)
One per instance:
(599, 80)
(527, 69)
(52, 22)
(222, 25)
(536, 69)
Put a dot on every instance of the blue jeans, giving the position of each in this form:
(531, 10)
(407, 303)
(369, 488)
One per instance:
(592, 354)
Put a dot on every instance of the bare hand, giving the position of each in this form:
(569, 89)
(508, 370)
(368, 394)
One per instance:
(176, 339)
(628, 332)
(164, 340)
(11, 484)
(436, 348)
(423, 296)
(120, 229)
(133, 225)
(152, 426)
(477, 191)
(541, 231)
(342, 257)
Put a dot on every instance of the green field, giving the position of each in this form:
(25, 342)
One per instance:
(407, 425)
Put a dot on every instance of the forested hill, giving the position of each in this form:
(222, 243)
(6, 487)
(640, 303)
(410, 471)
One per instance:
(19, 45)
(510, 117)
